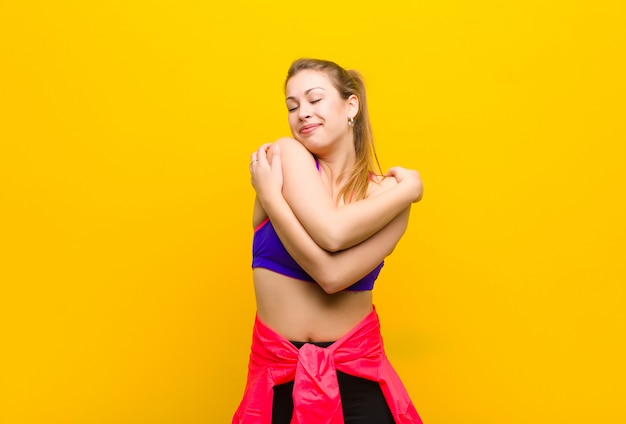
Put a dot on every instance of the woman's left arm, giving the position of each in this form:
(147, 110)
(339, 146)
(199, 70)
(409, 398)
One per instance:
(333, 271)
(332, 227)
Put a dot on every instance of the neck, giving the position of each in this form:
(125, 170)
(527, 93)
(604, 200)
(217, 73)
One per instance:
(336, 166)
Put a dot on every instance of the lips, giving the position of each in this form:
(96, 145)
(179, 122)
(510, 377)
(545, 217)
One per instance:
(309, 128)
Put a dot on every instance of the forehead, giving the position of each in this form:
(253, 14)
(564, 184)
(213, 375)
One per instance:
(305, 80)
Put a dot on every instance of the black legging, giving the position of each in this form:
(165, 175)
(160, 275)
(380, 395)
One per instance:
(362, 400)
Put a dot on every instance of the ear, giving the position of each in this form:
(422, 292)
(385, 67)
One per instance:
(352, 105)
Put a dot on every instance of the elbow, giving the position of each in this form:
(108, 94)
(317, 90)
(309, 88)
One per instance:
(330, 288)
(332, 240)
(330, 245)
(332, 283)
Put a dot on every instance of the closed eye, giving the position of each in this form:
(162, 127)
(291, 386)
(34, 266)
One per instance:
(291, 109)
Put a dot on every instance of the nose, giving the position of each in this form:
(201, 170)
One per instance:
(304, 111)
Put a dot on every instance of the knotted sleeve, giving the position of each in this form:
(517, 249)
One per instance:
(318, 399)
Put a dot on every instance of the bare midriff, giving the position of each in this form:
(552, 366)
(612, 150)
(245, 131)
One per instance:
(301, 311)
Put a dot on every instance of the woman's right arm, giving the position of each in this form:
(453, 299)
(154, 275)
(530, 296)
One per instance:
(333, 271)
(334, 228)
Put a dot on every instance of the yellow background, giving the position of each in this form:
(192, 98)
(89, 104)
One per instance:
(126, 129)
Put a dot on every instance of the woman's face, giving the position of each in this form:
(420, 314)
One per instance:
(318, 116)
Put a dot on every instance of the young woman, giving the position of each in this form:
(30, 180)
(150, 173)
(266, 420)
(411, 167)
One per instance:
(324, 222)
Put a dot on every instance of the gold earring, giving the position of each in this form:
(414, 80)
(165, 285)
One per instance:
(351, 121)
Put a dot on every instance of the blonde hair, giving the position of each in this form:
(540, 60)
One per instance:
(348, 83)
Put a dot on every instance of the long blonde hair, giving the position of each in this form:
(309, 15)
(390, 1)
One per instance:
(348, 83)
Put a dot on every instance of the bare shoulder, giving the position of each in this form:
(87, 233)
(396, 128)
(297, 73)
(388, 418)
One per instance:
(289, 144)
(379, 184)
(292, 150)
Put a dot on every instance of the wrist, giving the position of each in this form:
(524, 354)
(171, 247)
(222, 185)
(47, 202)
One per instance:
(413, 186)
(410, 190)
(271, 200)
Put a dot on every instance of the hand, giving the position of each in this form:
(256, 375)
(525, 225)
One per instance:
(266, 173)
(409, 178)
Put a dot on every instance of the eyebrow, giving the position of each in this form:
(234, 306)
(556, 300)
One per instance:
(305, 93)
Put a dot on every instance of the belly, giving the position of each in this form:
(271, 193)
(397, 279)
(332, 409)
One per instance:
(302, 311)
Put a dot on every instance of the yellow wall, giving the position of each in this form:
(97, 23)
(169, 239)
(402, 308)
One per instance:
(125, 131)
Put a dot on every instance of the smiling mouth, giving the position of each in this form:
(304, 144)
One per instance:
(309, 128)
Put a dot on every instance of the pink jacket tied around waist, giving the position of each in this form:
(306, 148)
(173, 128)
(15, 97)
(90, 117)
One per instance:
(275, 360)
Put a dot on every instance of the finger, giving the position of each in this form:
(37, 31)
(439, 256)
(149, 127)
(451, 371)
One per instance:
(254, 157)
(275, 152)
(263, 148)
(262, 153)
(392, 171)
(261, 157)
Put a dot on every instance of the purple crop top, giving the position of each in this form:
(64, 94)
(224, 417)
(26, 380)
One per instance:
(268, 252)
